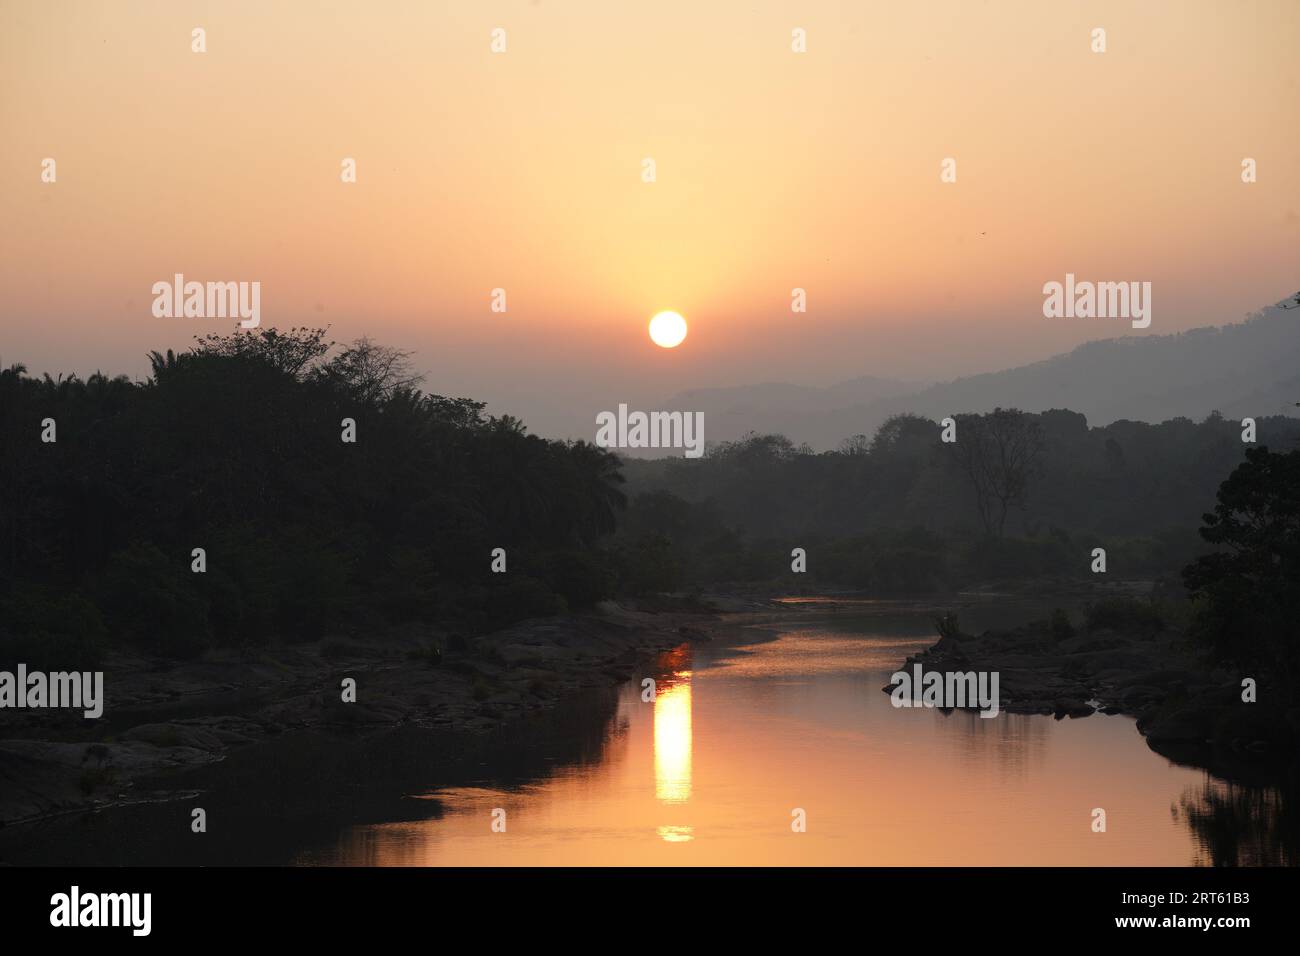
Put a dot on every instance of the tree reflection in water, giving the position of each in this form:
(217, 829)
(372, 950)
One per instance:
(1238, 825)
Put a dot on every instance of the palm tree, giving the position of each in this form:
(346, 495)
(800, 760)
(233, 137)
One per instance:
(600, 474)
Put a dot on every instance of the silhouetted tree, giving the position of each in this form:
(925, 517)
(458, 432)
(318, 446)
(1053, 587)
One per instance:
(1249, 587)
(234, 446)
(901, 430)
(998, 453)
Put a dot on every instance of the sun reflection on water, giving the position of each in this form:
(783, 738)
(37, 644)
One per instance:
(677, 834)
(673, 740)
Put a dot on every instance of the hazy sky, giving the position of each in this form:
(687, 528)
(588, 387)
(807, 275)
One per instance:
(523, 170)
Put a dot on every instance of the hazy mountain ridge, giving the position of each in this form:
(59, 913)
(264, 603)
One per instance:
(1247, 368)
(782, 407)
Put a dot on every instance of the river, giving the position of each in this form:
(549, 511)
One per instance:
(751, 735)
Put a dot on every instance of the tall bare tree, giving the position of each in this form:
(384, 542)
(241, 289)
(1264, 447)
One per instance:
(998, 453)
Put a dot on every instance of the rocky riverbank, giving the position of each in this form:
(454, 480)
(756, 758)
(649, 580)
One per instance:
(1187, 708)
(163, 717)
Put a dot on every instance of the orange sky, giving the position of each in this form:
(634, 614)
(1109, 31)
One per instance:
(522, 170)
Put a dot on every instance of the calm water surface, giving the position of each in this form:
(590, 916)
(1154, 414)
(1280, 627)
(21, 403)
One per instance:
(741, 735)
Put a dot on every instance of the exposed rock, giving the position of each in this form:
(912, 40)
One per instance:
(1070, 707)
(160, 716)
(1180, 699)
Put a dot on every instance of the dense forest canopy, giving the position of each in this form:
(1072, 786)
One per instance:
(1125, 479)
(236, 447)
(905, 512)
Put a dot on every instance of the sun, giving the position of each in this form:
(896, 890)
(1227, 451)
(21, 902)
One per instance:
(667, 330)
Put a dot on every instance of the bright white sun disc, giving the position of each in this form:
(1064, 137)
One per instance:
(667, 330)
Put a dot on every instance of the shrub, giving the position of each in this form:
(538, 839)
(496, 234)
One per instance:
(50, 631)
(581, 578)
(148, 602)
(1059, 625)
(1126, 615)
(650, 565)
(519, 598)
(430, 654)
(947, 626)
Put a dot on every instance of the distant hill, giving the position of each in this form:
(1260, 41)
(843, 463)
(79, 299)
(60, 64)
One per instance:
(1249, 368)
(793, 410)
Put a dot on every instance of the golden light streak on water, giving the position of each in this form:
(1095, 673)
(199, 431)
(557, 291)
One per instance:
(672, 740)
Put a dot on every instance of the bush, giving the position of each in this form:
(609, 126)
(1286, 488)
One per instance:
(650, 565)
(430, 654)
(582, 579)
(50, 631)
(947, 626)
(1126, 615)
(1020, 558)
(312, 592)
(519, 598)
(293, 586)
(1059, 625)
(149, 603)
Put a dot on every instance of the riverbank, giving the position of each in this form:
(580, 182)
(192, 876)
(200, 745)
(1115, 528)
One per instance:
(1188, 708)
(163, 719)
